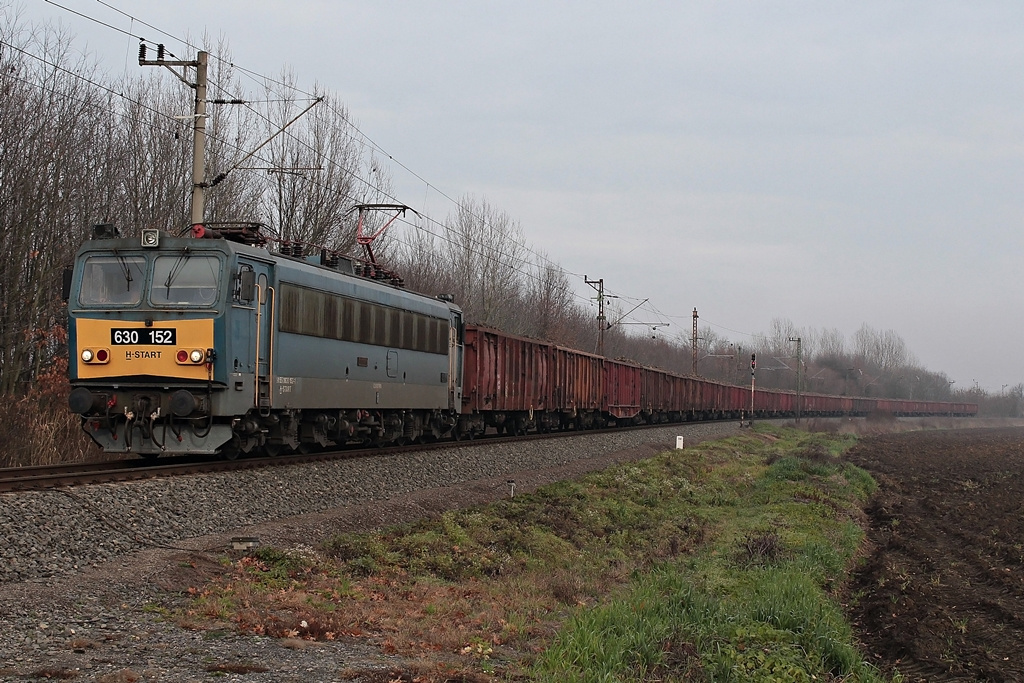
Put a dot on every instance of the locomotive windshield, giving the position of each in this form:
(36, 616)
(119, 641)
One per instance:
(121, 280)
(185, 279)
(113, 280)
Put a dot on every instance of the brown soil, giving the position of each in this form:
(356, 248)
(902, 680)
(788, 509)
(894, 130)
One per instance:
(940, 596)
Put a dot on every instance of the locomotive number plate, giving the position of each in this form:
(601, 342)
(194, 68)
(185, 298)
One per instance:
(149, 336)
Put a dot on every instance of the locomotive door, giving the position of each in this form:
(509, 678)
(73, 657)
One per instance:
(455, 353)
(259, 333)
(264, 343)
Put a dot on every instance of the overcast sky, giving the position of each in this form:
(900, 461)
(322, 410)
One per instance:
(831, 163)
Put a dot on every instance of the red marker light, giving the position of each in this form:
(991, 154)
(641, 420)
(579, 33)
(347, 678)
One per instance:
(182, 356)
(102, 355)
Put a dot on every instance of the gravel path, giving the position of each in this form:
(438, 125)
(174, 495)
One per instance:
(80, 566)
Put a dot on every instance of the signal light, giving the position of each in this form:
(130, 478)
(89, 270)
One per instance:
(753, 361)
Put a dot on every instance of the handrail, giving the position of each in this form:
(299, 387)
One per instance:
(271, 302)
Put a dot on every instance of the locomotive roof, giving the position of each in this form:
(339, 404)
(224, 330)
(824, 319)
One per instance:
(303, 271)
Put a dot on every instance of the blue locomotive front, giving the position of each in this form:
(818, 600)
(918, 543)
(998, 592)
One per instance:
(183, 345)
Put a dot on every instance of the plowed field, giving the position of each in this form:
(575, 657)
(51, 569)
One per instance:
(941, 594)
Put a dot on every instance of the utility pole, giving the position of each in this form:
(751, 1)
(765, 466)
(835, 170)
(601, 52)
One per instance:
(598, 286)
(199, 184)
(798, 376)
(693, 345)
(199, 143)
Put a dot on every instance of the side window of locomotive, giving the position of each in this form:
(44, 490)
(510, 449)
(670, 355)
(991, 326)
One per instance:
(243, 285)
(185, 280)
(115, 280)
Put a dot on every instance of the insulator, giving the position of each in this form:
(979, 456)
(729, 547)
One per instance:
(160, 52)
(142, 52)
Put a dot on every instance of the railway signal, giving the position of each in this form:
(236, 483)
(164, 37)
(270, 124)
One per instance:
(753, 366)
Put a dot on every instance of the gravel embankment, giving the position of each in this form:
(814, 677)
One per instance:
(72, 583)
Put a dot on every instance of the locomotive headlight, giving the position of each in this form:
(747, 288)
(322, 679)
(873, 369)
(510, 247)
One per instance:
(87, 356)
(196, 356)
(150, 238)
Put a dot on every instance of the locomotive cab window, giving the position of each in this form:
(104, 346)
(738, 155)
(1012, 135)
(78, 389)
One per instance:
(185, 280)
(112, 280)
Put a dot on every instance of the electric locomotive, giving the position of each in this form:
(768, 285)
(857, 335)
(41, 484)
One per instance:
(219, 345)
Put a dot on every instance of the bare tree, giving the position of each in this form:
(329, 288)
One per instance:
(155, 148)
(50, 179)
(831, 343)
(317, 166)
(484, 250)
(232, 131)
(548, 296)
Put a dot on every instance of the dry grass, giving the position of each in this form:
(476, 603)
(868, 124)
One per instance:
(458, 629)
(38, 428)
(122, 676)
(407, 616)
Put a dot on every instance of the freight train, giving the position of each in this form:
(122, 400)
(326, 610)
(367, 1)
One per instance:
(216, 343)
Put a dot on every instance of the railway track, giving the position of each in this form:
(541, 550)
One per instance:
(77, 474)
(73, 474)
(55, 476)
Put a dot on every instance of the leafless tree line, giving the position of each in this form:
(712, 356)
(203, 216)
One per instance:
(870, 363)
(481, 257)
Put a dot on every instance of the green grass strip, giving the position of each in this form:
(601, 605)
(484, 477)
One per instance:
(752, 602)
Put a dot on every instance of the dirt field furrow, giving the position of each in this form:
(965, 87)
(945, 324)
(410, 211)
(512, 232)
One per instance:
(941, 595)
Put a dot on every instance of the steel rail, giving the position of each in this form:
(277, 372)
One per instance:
(76, 474)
